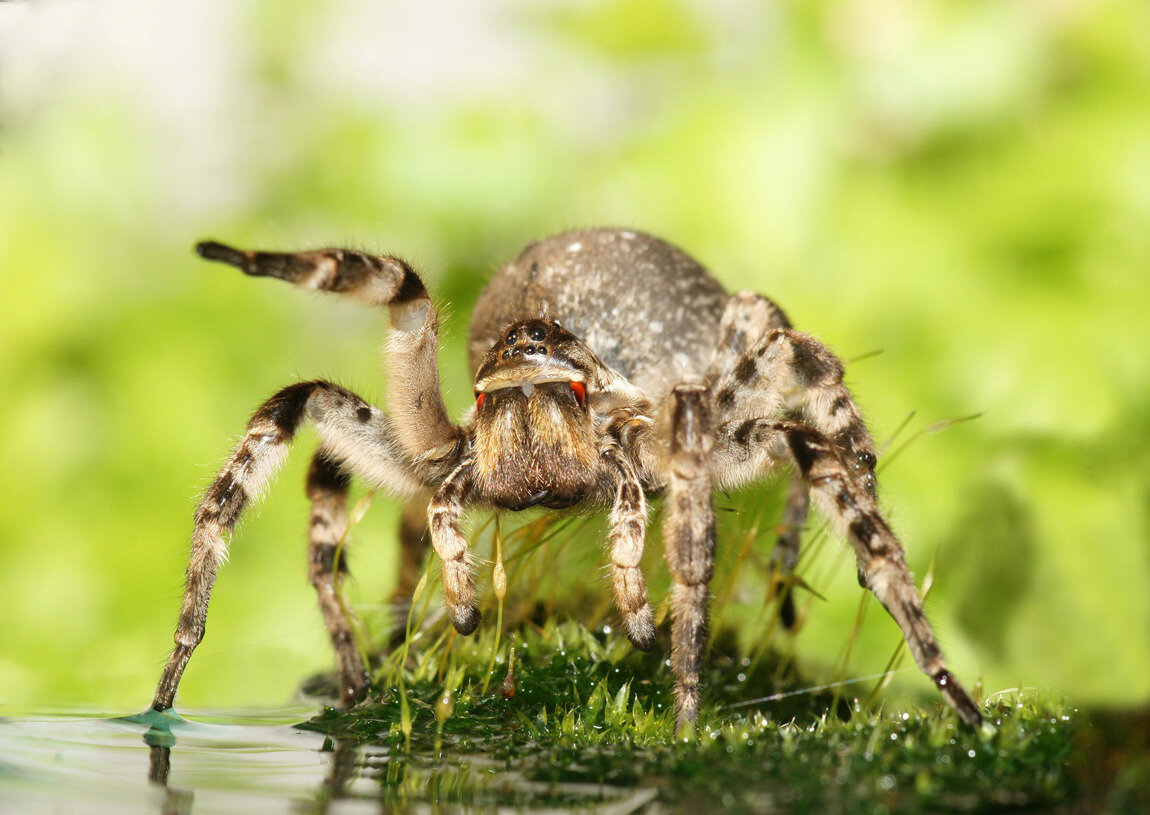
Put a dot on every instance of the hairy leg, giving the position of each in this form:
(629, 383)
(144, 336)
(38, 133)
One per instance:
(421, 421)
(748, 318)
(792, 376)
(327, 486)
(628, 524)
(443, 516)
(882, 562)
(352, 431)
(786, 552)
(689, 537)
(853, 511)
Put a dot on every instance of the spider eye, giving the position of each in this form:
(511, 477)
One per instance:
(579, 390)
(480, 398)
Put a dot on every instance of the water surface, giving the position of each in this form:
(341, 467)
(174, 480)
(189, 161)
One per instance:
(71, 761)
(63, 761)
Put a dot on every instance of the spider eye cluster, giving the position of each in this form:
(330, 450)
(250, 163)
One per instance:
(528, 338)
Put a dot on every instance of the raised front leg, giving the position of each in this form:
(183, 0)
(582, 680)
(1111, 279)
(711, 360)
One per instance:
(689, 537)
(421, 421)
(352, 431)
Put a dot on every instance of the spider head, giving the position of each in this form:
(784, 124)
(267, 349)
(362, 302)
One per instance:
(534, 441)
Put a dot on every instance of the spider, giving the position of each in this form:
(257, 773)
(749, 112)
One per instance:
(609, 367)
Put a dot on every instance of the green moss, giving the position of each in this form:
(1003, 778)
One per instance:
(592, 720)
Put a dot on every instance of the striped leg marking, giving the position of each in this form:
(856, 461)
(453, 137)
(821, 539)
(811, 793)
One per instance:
(628, 524)
(351, 430)
(882, 563)
(443, 515)
(748, 319)
(689, 538)
(421, 420)
(327, 486)
(373, 279)
(788, 373)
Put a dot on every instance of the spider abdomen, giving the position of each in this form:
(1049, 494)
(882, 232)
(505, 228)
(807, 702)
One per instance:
(646, 308)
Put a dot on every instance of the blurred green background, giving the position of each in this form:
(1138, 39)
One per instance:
(963, 186)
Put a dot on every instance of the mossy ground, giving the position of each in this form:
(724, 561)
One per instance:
(588, 720)
(547, 707)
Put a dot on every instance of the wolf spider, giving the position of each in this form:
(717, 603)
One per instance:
(609, 367)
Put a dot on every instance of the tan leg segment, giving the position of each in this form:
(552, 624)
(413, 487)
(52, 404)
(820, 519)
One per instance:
(422, 423)
(790, 374)
(628, 523)
(689, 537)
(443, 515)
(327, 486)
(882, 563)
(344, 422)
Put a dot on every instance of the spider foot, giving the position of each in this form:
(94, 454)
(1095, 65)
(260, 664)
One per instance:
(686, 705)
(352, 692)
(959, 699)
(222, 253)
(466, 618)
(641, 628)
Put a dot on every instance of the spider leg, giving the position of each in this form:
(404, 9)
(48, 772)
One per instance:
(327, 486)
(882, 562)
(628, 524)
(791, 375)
(421, 420)
(689, 538)
(449, 542)
(747, 318)
(854, 513)
(361, 436)
(786, 552)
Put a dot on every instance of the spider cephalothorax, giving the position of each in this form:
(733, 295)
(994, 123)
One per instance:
(608, 366)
